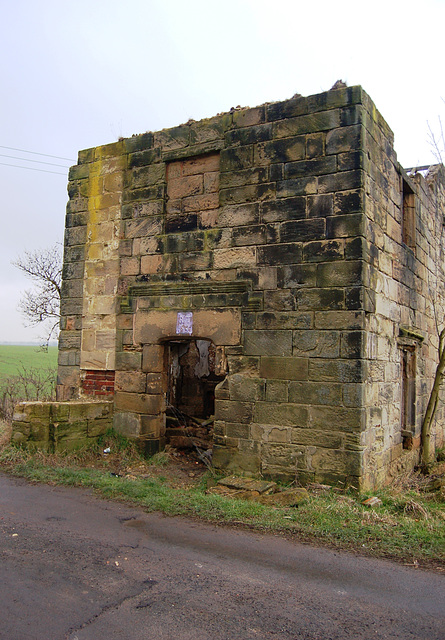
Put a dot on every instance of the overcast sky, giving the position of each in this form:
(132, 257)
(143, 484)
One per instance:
(78, 74)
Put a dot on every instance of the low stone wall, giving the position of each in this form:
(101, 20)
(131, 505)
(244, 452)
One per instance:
(60, 426)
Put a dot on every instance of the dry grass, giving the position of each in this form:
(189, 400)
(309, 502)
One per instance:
(5, 433)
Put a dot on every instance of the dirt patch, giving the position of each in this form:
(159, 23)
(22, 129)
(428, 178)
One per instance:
(179, 469)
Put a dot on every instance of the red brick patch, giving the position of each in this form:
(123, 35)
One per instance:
(98, 383)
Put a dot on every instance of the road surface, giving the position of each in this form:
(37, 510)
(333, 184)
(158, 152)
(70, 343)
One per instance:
(75, 567)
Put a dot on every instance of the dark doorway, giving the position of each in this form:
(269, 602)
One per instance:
(194, 368)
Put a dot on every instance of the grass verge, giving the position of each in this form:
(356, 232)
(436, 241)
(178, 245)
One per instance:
(408, 526)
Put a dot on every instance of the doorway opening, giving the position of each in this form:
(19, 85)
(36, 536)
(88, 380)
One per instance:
(194, 368)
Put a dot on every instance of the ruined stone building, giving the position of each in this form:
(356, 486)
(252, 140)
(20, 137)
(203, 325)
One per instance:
(274, 267)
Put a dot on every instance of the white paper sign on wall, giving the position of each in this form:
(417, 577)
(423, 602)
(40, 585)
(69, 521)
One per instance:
(184, 322)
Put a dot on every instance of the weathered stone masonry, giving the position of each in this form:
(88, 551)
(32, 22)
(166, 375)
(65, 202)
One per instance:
(311, 264)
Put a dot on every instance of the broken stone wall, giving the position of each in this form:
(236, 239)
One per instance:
(60, 426)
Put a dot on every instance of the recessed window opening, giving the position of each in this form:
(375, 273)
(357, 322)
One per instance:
(408, 355)
(194, 368)
(408, 215)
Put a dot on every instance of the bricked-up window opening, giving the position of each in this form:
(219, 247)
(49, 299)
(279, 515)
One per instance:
(98, 383)
(194, 368)
(408, 216)
(408, 356)
(192, 195)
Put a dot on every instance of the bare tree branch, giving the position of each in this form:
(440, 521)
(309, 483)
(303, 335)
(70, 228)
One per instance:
(437, 142)
(41, 304)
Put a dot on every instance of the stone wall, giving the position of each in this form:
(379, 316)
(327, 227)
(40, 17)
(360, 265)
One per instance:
(405, 290)
(276, 233)
(60, 426)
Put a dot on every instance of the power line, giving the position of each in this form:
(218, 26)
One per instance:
(17, 166)
(35, 153)
(53, 164)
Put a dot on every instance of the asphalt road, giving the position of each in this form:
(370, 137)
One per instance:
(75, 567)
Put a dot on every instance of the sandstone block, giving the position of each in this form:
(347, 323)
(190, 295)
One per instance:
(285, 150)
(130, 381)
(302, 230)
(138, 403)
(275, 254)
(319, 393)
(127, 424)
(283, 368)
(296, 187)
(345, 419)
(241, 214)
(282, 210)
(342, 181)
(315, 145)
(236, 158)
(340, 274)
(236, 257)
(316, 344)
(268, 343)
(247, 193)
(324, 251)
(128, 360)
(310, 123)
(288, 498)
(297, 275)
(320, 206)
(344, 139)
(233, 411)
(223, 327)
(314, 167)
(282, 414)
(245, 389)
(276, 391)
(249, 135)
(152, 426)
(345, 226)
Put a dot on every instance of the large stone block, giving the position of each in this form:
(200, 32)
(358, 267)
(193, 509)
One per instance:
(283, 414)
(249, 135)
(340, 274)
(284, 368)
(222, 326)
(245, 388)
(138, 403)
(309, 123)
(303, 230)
(284, 320)
(131, 381)
(344, 139)
(281, 210)
(345, 419)
(285, 150)
(316, 344)
(337, 371)
(247, 193)
(297, 275)
(236, 158)
(268, 343)
(318, 393)
(233, 411)
(127, 424)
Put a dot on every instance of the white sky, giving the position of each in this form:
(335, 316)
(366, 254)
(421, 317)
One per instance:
(78, 74)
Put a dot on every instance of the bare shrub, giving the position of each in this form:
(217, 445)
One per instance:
(28, 384)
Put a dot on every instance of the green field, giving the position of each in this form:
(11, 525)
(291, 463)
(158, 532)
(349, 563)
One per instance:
(16, 357)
